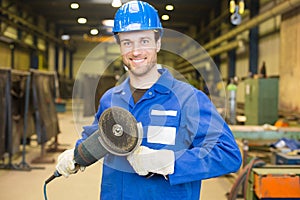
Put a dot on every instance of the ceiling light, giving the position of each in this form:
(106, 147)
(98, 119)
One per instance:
(109, 30)
(231, 6)
(81, 20)
(169, 7)
(116, 3)
(241, 6)
(74, 6)
(94, 31)
(108, 22)
(65, 37)
(165, 17)
(6, 39)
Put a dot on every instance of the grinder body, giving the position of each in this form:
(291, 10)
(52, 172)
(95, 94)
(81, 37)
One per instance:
(119, 133)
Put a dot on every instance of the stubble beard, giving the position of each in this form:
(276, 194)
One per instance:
(140, 71)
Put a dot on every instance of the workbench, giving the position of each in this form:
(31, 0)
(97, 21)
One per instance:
(252, 132)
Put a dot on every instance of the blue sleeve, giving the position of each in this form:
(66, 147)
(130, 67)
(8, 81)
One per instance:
(213, 151)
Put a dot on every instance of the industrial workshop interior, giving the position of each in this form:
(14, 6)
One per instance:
(59, 57)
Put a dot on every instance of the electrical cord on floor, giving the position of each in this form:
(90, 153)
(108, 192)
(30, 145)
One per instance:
(45, 191)
(52, 177)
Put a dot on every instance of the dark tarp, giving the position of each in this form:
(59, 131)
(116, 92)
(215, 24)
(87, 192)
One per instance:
(4, 82)
(88, 90)
(44, 105)
(66, 88)
(91, 95)
(18, 93)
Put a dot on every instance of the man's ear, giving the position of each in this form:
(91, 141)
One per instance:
(158, 45)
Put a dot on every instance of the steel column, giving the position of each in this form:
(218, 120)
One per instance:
(253, 39)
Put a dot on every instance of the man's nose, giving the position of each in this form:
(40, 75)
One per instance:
(136, 49)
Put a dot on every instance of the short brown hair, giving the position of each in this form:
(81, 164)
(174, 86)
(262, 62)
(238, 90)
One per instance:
(157, 35)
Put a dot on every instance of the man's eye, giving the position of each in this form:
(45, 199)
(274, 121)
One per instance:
(145, 41)
(126, 44)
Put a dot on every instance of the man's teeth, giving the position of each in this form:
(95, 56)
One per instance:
(138, 61)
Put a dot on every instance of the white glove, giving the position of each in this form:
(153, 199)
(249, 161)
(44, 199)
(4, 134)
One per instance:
(66, 164)
(145, 160)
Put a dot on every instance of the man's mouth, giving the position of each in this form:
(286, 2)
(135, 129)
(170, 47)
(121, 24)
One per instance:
(138, 60)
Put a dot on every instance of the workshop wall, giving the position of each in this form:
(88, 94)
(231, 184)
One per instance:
(5, 60)
(290, 62)
(25, 41)
(269, 48)
(278, 47)
(269, 52)
(95, 58)
(22, 59)
(51, 57)
(269, 45)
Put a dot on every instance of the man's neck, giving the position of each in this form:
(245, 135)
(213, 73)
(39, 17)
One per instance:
(144, 82)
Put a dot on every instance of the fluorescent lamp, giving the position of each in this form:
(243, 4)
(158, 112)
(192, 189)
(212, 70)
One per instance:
(108, 22)
(232, 6)
(94, 31)
(165, 17)
(81, 20)
(116, 3)
(74, 6)
(169, 7)
(241, 7)
(65, 37)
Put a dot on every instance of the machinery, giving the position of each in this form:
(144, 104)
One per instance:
(274, 182)
(118, 133)
(259, 181)
(261, 101)
(231, 90)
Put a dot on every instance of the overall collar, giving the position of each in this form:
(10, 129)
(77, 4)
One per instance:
(163, 84)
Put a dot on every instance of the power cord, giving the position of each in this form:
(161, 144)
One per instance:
(55, 175)
(45, 191)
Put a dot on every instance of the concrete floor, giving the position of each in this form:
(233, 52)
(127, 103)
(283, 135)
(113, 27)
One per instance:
(28, 185)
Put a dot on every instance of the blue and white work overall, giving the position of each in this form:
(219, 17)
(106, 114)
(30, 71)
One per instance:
(174, 116)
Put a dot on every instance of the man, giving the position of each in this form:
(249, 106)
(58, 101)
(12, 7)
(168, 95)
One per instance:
(185, 139)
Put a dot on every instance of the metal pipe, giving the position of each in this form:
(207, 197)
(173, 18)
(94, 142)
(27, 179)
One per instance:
(211, 53)
(283, 7)
(31, 26)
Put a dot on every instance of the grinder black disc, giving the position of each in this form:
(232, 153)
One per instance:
(119, 132)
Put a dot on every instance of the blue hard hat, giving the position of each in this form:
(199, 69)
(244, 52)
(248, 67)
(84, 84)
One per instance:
(136, 15)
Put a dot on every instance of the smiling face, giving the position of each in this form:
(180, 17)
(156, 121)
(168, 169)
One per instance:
(139, 52)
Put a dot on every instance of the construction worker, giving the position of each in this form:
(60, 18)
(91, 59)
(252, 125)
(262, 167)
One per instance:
(185, 139)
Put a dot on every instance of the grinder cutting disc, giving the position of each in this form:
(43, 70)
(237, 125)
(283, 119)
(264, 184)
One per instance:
(119, 132)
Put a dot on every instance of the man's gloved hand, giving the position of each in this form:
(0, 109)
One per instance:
(66, 164)
(145, 160)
